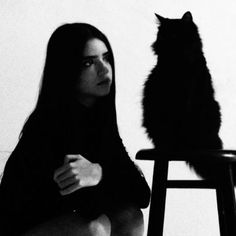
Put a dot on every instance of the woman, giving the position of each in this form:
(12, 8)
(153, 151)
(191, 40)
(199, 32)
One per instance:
(70, 173)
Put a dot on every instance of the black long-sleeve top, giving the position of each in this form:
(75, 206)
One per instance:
(28, 193)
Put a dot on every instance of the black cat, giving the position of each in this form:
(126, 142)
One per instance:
(179, 108)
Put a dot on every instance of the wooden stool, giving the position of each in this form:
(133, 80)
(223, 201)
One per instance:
(224, 186)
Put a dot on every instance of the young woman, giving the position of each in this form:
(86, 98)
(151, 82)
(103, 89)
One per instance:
(70, 173)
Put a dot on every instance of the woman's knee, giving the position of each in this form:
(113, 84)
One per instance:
(73, 225)
(128, 221)
(100, 226)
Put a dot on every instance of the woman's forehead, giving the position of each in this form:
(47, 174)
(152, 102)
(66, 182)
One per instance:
(95, 47)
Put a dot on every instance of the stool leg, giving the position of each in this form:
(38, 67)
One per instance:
(221, 213)
(158, 199)
(229, 201)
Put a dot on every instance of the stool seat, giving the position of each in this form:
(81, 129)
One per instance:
(224, 185)
(193, 155)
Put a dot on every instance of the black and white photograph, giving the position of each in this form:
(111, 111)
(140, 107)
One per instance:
(117, 118)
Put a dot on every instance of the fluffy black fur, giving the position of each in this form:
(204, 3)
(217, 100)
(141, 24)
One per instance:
(179, 108)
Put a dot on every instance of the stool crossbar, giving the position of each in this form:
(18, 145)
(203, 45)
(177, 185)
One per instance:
(224, 185)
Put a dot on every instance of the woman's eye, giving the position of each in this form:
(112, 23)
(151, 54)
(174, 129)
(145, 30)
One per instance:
(88, 63)
(106, 58)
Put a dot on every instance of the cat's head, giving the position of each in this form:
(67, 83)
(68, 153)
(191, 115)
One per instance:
(176, 35)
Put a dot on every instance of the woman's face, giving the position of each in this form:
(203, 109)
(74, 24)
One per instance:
(96, 74)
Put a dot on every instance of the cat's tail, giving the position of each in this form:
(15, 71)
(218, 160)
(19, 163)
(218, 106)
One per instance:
(209, 169)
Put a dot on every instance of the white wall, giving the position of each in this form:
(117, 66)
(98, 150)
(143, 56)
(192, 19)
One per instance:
(26, 26)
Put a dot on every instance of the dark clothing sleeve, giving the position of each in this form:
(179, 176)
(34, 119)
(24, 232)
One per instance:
(29, 195)
(122, 183)
(122, 178)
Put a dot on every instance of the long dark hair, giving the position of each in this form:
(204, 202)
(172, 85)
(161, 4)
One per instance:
(62, 65)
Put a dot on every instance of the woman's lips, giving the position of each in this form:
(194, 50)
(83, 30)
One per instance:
(103, 82)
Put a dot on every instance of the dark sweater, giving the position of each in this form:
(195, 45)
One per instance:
(28, 193)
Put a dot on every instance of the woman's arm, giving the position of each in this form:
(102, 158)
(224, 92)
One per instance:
(122, 177)
(27, 182)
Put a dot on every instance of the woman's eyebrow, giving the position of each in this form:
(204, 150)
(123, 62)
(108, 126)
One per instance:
(106, 53)
(95, 56)
(89, 57)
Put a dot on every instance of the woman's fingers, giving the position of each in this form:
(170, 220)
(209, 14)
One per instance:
(61, 170)
(70, 172)
(72, 157)
(77, 172)
(67, 182)
(72, 188)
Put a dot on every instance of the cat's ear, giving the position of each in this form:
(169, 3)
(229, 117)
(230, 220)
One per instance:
(187, 16)
(159, 18)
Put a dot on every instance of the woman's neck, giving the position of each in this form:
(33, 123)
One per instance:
(87, 102)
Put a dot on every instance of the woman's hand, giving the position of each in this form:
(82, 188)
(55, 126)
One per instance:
(77, 172)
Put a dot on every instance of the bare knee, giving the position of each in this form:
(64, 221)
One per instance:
(128, 222)
(100, 226)
(73, 225)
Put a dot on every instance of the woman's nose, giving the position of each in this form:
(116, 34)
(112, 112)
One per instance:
(102, 68)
